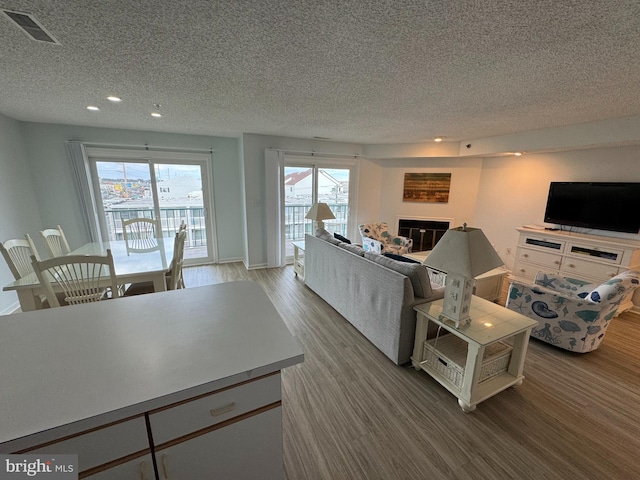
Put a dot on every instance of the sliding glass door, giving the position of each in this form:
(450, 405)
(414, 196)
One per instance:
(306, 183)
(166, 187)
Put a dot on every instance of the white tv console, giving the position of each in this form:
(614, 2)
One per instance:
(586, 257)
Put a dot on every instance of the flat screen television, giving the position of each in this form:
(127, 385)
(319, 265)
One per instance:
(597, 205)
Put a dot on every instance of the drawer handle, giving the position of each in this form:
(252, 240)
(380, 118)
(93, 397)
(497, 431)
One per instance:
(216, 412)
(557, 262)
(571, 265)
(526, 255)
(165, 467)
(522, 270)
(142, 470)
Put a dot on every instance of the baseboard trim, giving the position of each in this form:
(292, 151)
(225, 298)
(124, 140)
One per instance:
(14, 308)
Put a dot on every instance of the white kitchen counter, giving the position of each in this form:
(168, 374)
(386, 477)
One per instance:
(69, 369)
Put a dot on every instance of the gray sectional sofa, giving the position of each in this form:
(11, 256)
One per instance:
(374, 293)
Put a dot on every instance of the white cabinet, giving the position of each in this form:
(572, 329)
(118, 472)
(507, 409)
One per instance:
(139, 469)
(587, 257)
(206, 388)
(248, 449)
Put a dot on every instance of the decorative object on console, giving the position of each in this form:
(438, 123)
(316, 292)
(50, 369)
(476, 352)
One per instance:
(426, 187)
(463, 253)
(376, 238)
(571, 314)
(318, 212)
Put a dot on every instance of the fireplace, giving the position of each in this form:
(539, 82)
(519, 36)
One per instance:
(425, 233)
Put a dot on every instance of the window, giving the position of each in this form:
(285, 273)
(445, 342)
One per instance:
(172, 187)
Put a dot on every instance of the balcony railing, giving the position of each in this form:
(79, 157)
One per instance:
(170, 219)
(296, 226)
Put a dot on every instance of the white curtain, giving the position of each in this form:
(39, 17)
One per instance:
(84, 188)
(274, 192)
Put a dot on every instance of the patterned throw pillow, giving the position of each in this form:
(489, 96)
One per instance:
(613, 288)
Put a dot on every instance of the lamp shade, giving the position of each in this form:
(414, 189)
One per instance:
(463, 251)
(319, 211)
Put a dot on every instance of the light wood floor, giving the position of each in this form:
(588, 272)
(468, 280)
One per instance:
(350, 413)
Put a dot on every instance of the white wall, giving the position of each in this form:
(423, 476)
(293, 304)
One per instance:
(55, 190)
(465, 179)
(513, 190)
(20, 213)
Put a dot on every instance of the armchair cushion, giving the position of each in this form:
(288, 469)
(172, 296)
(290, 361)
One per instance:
(613, 288)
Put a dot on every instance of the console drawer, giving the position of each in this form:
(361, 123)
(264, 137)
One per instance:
(608, 255)
(546, 259)
(528, 271)
(587, 269)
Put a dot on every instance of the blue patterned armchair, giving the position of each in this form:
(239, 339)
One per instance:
(571, 314)
(376, 238)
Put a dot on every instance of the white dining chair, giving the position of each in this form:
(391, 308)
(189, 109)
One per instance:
(81, 278)
(173, 277)
(140, 234)
(55, 241)
(17, 253)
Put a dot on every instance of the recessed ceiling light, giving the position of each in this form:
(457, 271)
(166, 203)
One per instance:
(517, 154)
(92, 108)
(156, 114)
(114, 99)
(437, 139)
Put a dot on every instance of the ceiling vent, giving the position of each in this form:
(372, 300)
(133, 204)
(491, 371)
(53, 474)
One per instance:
(29, 25)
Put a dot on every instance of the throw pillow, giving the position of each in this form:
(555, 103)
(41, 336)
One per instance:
(322, 234)
(400, 258)
(417, 273)
(341, 238)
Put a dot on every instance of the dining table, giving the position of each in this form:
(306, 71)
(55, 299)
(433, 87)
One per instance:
(131, 266)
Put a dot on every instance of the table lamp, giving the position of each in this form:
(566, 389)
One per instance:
(319, 212)
(462, 253)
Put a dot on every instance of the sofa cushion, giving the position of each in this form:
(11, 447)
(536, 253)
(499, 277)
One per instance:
(416, 272)
(341, 238)
(357, 249)
(322, 234)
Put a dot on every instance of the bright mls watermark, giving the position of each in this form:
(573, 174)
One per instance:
(51, 467)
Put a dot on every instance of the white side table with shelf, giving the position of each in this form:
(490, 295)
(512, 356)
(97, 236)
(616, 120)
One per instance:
(496, 343)
(298, 259)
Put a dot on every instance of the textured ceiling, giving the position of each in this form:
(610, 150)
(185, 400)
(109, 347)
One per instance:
(363, 71)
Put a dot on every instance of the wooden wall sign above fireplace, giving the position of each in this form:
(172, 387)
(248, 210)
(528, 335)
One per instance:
(426, 187)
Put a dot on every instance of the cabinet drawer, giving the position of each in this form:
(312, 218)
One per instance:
(584, 268)
(596, 253)
(547, 259)
(188, 417)
(97, 447)
(551, 244)
(528, 271)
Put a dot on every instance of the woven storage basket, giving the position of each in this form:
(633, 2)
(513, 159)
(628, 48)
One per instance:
(449, 358)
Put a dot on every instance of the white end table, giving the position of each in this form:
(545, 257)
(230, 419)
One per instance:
(298, 259)
(492, 328)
